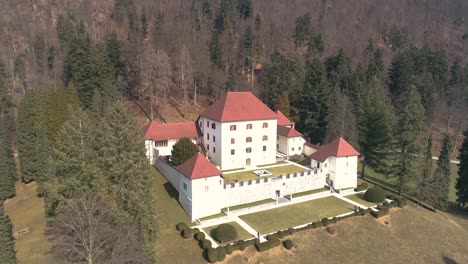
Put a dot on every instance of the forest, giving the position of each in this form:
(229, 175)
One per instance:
(78, 77)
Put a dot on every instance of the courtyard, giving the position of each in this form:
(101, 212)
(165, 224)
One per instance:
(275, 169)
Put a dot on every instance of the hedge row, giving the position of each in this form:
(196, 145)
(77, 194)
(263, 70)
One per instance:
(269, 244)
(361, 187)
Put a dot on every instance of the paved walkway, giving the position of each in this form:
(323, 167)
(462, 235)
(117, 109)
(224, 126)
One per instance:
(248, 228)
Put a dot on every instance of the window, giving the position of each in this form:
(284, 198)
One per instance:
(347, 165)
(233, 151)
(207, 123)
(233, 141)
(206, 188)
(232, 128)
(248, 150)
(200, 123)
(214, 139)
(248, 139)
(249, 126)
(265, 138)
(292, 149)
(300, 148)
(265, 125)
(277, 146)
(207, 146)
(213, 125)
(208, 136)
(160, 143)
(185, 186)
(277, 137)
(325, 165)
(264, 148)
(214, 149)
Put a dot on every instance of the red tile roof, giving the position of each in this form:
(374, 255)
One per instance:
(336, 148)
(238, 106)
(282, 119)
(198, 167)
(288, 132)
(155, 131)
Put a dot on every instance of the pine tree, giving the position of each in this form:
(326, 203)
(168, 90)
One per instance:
(441, 181)
(375, 125)
(215, 50)
(462, 180)
(7, 162)
(144, 22)
(302, 31)
(283, 104)
(424, 187)
(182, 151)
(248, 45)
(409, 126)
(126, 172)
(113, 53)
(7, 248)
(6, 101)
(400, 74)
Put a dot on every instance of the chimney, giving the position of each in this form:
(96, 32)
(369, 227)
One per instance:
(292, 125)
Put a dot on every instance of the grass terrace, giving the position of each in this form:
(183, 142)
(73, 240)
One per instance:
(359, 198)
(242, 206)
(241, 232)
(249, 175)
(297, 214)
(308, 192)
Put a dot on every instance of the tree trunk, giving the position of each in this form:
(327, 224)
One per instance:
(363, 169)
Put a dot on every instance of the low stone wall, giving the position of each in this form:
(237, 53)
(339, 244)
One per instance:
(171, 174)
(251, 191)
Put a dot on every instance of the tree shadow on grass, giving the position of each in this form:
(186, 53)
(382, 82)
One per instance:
(448, 260)
(173, 193)
(457, 211)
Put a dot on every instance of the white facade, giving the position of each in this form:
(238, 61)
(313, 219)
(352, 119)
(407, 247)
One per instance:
(241, 144)
(290, 146)
(154, 149)
(342, 171)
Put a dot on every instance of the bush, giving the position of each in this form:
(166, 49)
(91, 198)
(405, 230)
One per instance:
(291, 230)
(282, 233)
(181, 226)
(288, 244)
(205, 244)
(331, 229)
(274, 243)
(251, 242)
(296, 158)
(401, 202)
(335, 219)
(381, 207)
(241, 244)
(229, 249)
(196, 230)
(317, 224)
(379, 213)
(221, 253)
(361, 187)
(325, 221)
(374, 195)
(224, 233)
(390, 196)
(262, 246)
(187, 233)
(272, 236)
(212, 255)
(199, 236)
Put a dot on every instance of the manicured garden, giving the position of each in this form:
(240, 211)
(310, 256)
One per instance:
(249, 175)
(294, 195)
(297, 214)
(247, 205)
(241, 232)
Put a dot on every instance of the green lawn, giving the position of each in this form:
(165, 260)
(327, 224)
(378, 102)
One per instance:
(241, 232)
(241, 206)
(308, 192)
(297, 214)
(249, 175)
(273, 164)
(359, 198)
(212, 216)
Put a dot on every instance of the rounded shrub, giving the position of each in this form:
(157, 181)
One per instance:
(205, 243)
(212, 255)
(326, 221)
(272, 236)
(291, 230)
(317, 224)
(199, 236)
(187, 233)
(224, 233)
(221, 253)
(374, 195)
(241, 244)
(288, 244)
(181, 226)
(283, 233)
(229, 249)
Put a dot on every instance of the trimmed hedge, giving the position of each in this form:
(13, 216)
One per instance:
(390, 196)
(221, 253)
(181, 226)
(374, 195)
(229, 249)
(379, 213)
(272, 236)
(401, 201)
(241, 244)
(212, 255)
(326, 221)
(361, 187)
(282, 233)
(187, 233)
(205, 244)
(288, 244)
(291, 231)
(269, 244)
(317, 224)
(224, 233)
(199, 236)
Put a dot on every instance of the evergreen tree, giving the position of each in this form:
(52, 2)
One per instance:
(125, 168)
(462, 180)
(144, 22)
(7, 248)
(113, 53)
(441, 181)
(6, 100)
(158, 30)
(248, 47)
(7, 162)
(424, 185)
(283, 104)
(375, 125)
(341, 121)
(409, 126)
(244, 8)
(182, 151)
(215, 50)
(65, 31)
(400, 74)
(302, 31)
(276, 78)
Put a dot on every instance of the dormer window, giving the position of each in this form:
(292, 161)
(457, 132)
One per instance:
(248, 139)
(249, 126)
(232, 128)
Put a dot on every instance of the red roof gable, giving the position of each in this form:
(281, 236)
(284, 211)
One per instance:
(288, 132)
(155, 131)
(238, 106)
(198, 167)
(336, 148)
(282, 119)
